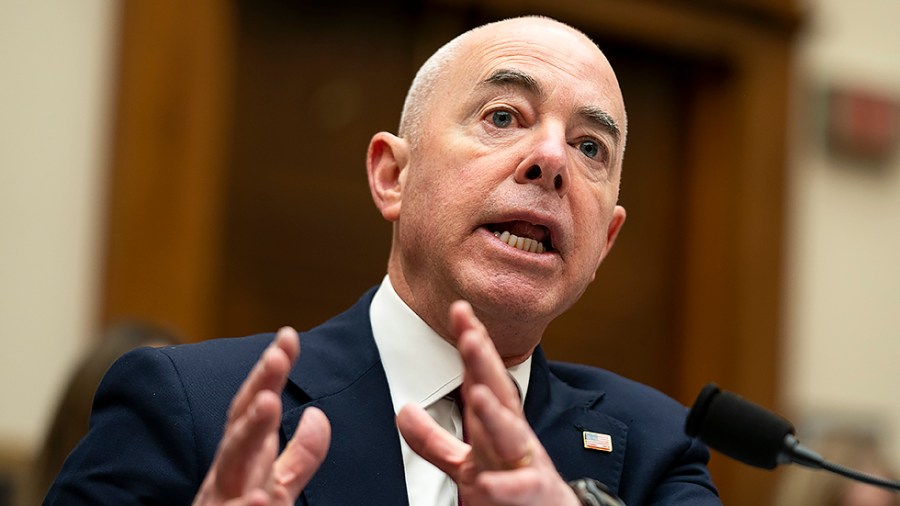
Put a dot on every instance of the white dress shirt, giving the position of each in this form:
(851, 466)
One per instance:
(422, 368)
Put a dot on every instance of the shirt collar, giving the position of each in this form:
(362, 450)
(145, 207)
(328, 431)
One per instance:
(421, 367)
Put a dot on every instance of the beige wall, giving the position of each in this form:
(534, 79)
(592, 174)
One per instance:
(55, 63)
(843, 269)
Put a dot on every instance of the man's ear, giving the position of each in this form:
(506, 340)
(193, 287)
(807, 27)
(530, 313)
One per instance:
(386, 164)
(612, 232)
(615, 225)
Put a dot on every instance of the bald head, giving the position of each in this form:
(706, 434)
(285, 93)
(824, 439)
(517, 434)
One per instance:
(435, 69)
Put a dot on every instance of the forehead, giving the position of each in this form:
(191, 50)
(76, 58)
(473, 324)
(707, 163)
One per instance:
(563, 61)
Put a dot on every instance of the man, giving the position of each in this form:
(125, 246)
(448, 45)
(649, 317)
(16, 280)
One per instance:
(502, 189)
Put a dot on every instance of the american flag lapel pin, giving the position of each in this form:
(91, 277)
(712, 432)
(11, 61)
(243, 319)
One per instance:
(597, 441)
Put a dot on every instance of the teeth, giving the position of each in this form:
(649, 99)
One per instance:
(522, 243)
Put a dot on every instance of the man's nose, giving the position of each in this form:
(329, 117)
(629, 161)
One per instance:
(546, 165)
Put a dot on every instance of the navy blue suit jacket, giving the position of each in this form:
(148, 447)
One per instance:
(159, 414)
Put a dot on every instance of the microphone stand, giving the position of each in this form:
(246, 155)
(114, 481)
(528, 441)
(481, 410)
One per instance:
(799, 454)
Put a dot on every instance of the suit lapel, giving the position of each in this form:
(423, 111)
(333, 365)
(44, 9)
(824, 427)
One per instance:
(560, 414)
(340, 372)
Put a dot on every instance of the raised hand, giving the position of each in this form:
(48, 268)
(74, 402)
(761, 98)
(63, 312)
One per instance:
(503, 462)
(247, 469)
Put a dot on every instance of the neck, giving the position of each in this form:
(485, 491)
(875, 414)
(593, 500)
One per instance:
(514, 335)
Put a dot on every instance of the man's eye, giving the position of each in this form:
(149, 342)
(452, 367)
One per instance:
(590, 148)
(501, 119)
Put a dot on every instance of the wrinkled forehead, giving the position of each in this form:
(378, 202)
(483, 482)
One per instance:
(559, 58)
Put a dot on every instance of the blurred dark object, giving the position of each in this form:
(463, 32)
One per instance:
(7, 489)
(70, 420)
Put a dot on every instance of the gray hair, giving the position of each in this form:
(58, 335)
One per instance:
(423, 86)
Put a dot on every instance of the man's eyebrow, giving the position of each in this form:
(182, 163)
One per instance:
(517, 78)
(512, 77)
(601, 119)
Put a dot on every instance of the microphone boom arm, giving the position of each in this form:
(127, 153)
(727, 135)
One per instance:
(799, 454)
(754, 435)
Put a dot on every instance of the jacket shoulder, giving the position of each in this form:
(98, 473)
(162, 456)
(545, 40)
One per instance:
(621, 395)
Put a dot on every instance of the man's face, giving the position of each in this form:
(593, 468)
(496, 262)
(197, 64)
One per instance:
(524, 135)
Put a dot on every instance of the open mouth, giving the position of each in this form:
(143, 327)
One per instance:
(523, 235)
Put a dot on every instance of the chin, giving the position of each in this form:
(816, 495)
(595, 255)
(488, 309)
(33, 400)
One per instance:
(516, 300)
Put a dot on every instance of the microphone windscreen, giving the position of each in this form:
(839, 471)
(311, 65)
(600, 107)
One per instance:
(737, 427)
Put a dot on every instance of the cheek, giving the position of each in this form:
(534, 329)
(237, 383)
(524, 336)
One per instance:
(435, 198)
(461, 183)
(592, 221)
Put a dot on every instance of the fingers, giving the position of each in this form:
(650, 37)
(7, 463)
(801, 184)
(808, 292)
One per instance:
(508, 437)
(244, 446)
(304, 453)
(483, 364)
(428, 439)
(497, 429)
(510, 465)
(526, 486)
(514, 468)
(245, 470)
(256, 497)
(269, 373)
(514, 487)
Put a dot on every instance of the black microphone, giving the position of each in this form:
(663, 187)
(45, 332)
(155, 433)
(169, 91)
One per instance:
(756, 436)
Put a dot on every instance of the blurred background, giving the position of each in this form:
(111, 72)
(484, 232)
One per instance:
(199, 166)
